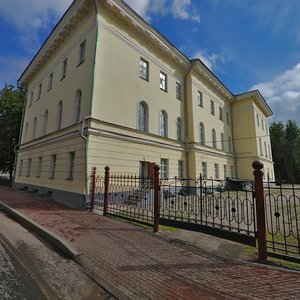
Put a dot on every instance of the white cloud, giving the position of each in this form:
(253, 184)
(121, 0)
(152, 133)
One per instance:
(179, 9)
(11, 68)
(28, 17)
(283, 94)
(210, 60)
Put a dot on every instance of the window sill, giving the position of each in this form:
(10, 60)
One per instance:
(62, 78)
(164, 90)
(52, 177)
(69, 178)
(146, 79)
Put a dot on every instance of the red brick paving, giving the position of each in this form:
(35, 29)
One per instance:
(144, 266)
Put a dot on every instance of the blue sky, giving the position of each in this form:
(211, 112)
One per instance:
(248, 44)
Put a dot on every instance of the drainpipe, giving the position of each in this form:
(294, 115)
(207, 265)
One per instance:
(85, 155)
(186, 120)
(90, 109)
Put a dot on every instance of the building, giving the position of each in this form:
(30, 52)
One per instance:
(107, 89)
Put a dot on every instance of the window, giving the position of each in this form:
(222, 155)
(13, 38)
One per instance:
(212, 107)
(202, 133)
(52, 166)
(50, 81)
(39, 167)
(164, 168)
(178, 91)
(34, 128)
(30, 99)
(180, 169)
(78, 97)
(221, 113)
(269, 148)
(28, 167)
(214, 139)
(228, 118)
(222, 141)
(82, 48)
(64, 69)
(204, 170)
(257, 119)
(260, 147)
(71, 165)
(266, 153)
(59, 114)
(262, 124)
(45, 122)
(20, 168)
(225, 171)
(39, 92)
(229, 144)
(144, 69)
(163, 81)
(143, 116)
(163, 126)
(26, 132)
(200, 99)
(179, 129)
(217, 171)
(266, 127)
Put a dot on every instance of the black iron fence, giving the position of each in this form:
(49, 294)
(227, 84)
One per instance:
(282, 206)
(253, 213)
(210, 206)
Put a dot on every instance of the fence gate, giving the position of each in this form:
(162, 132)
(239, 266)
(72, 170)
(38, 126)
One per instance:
(221, 208)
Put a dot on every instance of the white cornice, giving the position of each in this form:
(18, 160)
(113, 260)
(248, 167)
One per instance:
(62, 30)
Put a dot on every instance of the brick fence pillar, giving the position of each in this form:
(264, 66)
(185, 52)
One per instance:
(260, 209)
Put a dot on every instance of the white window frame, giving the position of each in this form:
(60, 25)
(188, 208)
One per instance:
(163, 83)
(163, 123)
(82, 52)
(178, 90)
(204, 170)
(164, 168)
(217, 173)
(52, 166)
(143, 116)
(180, 169)
(212, 107)
(202, 133)
(200, 98)
(144, 69)
(39, 167)
(71, 165)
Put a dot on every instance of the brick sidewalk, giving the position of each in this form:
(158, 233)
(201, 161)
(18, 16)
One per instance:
(135, 264)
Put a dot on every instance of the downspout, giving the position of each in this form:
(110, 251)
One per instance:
(90, 110)
(20, 137)
(186, 120)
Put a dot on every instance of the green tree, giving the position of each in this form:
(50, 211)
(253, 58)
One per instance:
(11, 108)
(285, 141)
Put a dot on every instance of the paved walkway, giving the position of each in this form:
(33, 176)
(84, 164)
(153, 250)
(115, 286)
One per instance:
(135, 264)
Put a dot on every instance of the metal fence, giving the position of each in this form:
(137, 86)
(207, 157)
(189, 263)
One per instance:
(253, 213)
(282, 206)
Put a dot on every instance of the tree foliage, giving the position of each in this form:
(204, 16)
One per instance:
(11, 108)
(285, 141)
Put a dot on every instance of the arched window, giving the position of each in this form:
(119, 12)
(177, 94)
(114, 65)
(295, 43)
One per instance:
(179, 129)
(77, 109)
(45, 122)
(222, 141)
(59, 114)
(163, 124)
(202, 133)
(229, 144)
(34, 128)
(143, 116)
(214, 139)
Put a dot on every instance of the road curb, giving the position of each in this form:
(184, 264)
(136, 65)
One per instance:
(47, 234)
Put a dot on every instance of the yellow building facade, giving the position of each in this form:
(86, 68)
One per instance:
(108, 89)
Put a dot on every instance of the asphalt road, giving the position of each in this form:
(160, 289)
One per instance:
(15, 281)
